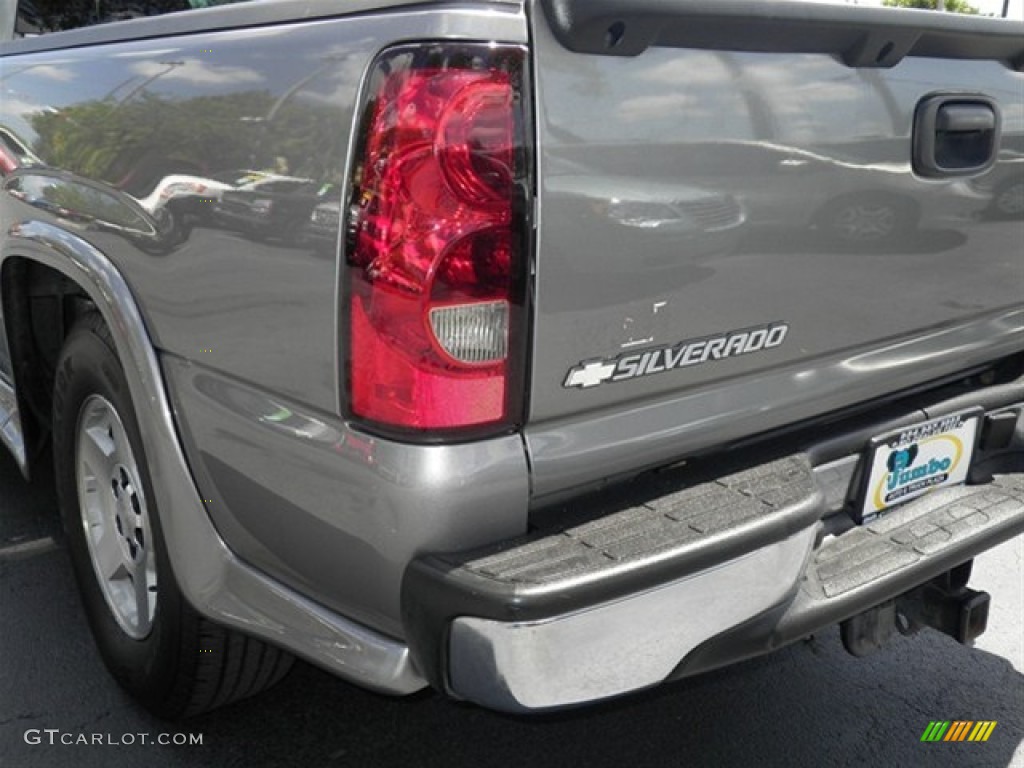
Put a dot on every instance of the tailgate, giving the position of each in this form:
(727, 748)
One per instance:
(730, 218)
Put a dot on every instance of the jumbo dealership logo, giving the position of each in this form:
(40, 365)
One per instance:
(593, 373)
(918, 467)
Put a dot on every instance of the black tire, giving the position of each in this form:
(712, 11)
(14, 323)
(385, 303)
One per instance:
(181, 664)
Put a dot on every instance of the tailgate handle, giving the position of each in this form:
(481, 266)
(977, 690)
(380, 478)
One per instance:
(955, 135)
(965, 118)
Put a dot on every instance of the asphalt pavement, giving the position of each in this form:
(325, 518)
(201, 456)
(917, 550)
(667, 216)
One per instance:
(807, 705)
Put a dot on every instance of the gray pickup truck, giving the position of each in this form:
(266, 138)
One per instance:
(539, 351)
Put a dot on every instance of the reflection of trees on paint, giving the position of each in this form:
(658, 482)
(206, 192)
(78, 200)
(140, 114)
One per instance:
(116, 141)
(41, 16)
(953, 6)
(133, 144)
(83, 202)
(96, 205)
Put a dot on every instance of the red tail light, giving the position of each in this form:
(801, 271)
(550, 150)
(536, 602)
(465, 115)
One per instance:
(8, 162)
(435, 249)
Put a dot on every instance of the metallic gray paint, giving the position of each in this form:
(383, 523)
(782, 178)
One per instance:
(8, 12)
(805, 145)
(240, 16)
(574, 452)
(864, 36)
(257, 304)
(331, 511)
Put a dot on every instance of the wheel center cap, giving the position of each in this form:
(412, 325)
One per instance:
(127, 521)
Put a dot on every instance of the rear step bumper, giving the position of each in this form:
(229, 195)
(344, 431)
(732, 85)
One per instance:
(690, 580)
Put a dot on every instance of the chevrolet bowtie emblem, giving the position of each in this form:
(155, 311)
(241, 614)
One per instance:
(590, 374)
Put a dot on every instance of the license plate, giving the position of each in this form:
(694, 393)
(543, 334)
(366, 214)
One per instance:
(915, 460)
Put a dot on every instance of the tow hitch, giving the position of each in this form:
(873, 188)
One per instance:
(945, 603)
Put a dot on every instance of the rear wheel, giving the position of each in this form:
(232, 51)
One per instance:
(115, 517)
(154, 643)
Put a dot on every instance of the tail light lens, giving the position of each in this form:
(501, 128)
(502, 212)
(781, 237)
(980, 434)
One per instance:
(436, 268)
(8, 162)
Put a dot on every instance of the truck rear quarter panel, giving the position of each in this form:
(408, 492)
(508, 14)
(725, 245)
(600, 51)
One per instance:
(245, 318)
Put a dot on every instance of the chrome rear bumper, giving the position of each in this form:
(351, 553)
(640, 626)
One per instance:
(681, 581)
(619, 646)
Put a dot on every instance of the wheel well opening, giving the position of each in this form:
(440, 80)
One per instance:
(40, 306)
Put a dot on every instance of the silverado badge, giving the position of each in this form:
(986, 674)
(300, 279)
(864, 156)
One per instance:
(597, 371)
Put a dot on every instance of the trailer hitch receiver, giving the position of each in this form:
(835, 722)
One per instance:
(945, 603)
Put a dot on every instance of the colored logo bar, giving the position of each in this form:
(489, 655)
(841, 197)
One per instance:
(958, 730)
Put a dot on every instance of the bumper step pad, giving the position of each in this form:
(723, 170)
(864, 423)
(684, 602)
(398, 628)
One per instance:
(924, 528)
(684, 522)
(911, 544)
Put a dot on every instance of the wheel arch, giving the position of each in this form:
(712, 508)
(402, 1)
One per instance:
(39, 261)
(210, 576)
